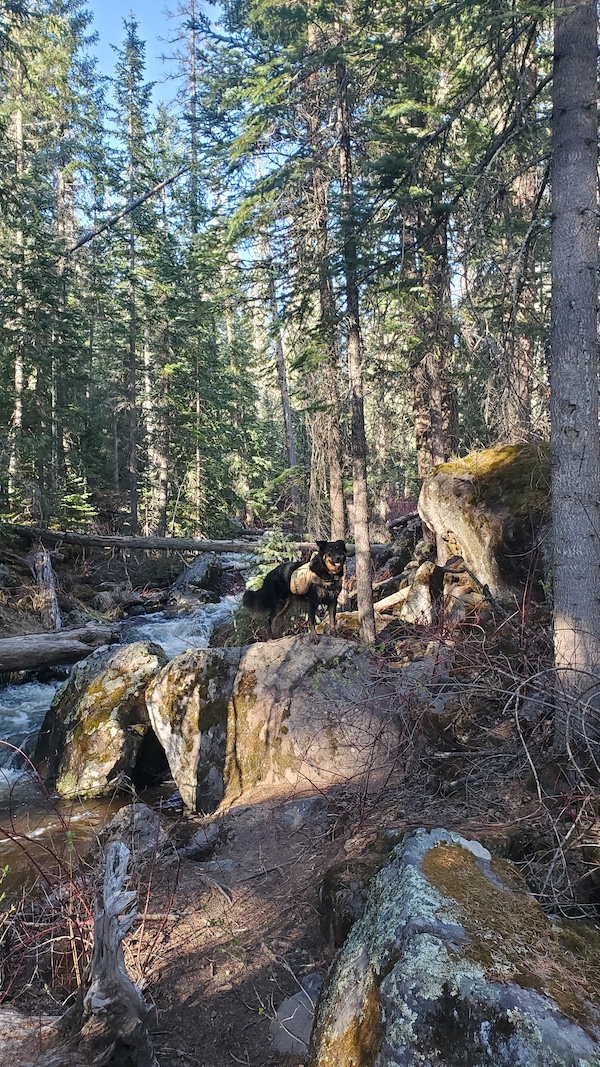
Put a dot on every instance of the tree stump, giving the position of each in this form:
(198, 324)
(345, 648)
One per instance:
(108, 1026)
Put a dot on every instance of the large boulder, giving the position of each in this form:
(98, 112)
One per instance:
(187, 703)
(308, 715)
(92, 734)
(490, 508)
(453, 963)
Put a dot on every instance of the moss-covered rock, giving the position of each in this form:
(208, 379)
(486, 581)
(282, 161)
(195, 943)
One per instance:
(93, 732)
(187, 703)
(489, 507)
(453, 963)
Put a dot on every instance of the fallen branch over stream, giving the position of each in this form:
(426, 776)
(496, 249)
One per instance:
(48, 649)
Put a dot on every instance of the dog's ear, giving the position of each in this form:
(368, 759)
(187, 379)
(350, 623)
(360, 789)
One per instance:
(321, 545)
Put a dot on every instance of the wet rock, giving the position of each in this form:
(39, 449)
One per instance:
(204, 569)
(92, 734)
(308, 715)
(140, 828)
(187, 703)
(454, 963)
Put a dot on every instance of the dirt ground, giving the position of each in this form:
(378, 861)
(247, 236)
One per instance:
(223, 966)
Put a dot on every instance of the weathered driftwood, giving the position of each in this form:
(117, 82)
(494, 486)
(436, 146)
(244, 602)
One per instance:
(47, 597)
(388, 602)
(109, 1024)
(114, 1010)
(48, 649)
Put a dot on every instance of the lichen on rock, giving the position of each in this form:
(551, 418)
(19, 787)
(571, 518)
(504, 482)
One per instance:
(461, 968)
(306, 714)
(187, 703)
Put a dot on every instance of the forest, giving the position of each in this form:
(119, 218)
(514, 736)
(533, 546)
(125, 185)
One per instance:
(331, 175)
(355, 258)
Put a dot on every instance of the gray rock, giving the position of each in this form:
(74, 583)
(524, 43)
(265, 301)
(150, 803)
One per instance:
(308, 715)
(291, 1027)
(202, 842)
(140, 828)
(92, 734)
(200, 571)
(187, 704)
(490, 507)
(454, 964)
(296, 813)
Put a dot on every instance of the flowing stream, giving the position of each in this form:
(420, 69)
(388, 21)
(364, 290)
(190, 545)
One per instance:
(29, 817)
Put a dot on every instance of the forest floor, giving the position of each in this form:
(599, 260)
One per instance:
(221, 944)
(223, 966)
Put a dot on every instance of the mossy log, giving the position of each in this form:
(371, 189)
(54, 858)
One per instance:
(48, 649)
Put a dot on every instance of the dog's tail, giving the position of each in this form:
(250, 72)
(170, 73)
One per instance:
(257, 600)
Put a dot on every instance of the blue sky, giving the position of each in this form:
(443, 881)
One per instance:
(153, 24)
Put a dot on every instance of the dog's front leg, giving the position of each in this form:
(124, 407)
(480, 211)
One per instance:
(313, 636)
(332, 613)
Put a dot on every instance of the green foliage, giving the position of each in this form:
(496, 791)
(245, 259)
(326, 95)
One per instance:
(154, 343)
(274, 548)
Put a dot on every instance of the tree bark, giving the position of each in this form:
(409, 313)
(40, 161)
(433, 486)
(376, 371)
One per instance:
(359, 440)
(575, 452)
(16, 427)
(47, 597)
(317, 105)
(46, 650)
(434, 401)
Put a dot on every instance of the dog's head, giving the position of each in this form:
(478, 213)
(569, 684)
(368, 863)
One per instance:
(333, 554)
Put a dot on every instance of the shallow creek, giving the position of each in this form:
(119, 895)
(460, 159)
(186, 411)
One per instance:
(33, 824)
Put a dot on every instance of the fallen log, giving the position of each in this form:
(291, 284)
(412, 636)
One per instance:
(160, 544)
(50, 649)
(388, 602)
(154, 544)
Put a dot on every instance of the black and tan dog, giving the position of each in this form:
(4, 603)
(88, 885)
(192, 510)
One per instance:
(318, 582)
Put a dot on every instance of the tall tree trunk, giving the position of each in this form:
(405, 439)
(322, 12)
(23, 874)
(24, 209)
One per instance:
(316, 106)
(132, 395)
(280, 362)
(193, 98)
(132, 361)
(575, 449)
(434, 399)
(327, 314)
(282, 376)
(16, 427)
(364, 586)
